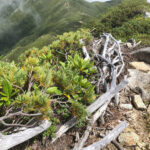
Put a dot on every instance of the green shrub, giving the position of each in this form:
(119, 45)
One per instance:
(69, 44)
(56, 86)
(117, 16)
(133, 28)
(125, 21)
(36, 101)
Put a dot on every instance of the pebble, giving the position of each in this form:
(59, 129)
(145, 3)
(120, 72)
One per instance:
(126, 106)
(138, 102)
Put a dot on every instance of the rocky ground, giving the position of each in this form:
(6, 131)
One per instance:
(135, 105)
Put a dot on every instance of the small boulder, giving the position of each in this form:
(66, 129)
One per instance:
(129, 45)
(138, 102)
(126, 106)
(129, 139)
(141, 80)
(140, 66)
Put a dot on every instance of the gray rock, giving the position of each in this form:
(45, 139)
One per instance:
(142, 54)
(126, 106)
(138, 102)
(129, 139)
(142, 81)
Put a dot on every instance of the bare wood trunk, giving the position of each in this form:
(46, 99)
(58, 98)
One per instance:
(9, 141)
(84, 138)
(108, 138)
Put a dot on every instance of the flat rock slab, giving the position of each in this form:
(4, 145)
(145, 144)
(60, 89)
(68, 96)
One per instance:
(140, 66)
(142, 81)
(129, 139)
(138, 102)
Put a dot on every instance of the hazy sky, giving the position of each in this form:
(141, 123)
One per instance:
(98, 0)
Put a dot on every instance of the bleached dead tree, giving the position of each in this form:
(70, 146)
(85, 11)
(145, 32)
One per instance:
(9, 141)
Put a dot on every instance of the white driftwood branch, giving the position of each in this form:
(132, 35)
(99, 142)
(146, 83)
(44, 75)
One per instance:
(19, 113)
(9, 141)
(104, 98)
(108, 138)
(95, 117)
(91, 109)
(106, 44)
(84, 50)
(136, 44)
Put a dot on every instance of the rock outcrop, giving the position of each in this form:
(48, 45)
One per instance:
(140, 80)
(142, 54)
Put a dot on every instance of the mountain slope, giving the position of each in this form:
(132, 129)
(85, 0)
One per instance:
(125, 21)
(36, 22)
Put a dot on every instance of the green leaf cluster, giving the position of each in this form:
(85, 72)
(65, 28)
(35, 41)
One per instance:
(81, 65)
(10, 71)
(34, 102)
(7, 93)
(69, 78)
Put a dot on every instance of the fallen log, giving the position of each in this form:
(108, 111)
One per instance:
(108, 138)
(9, 141)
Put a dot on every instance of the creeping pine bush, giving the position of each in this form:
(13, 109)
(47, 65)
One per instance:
(125, 21)
(54, 81)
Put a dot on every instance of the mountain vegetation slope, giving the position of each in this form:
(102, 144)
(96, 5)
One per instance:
(37, 87)
(35, 23)
(125, 21)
